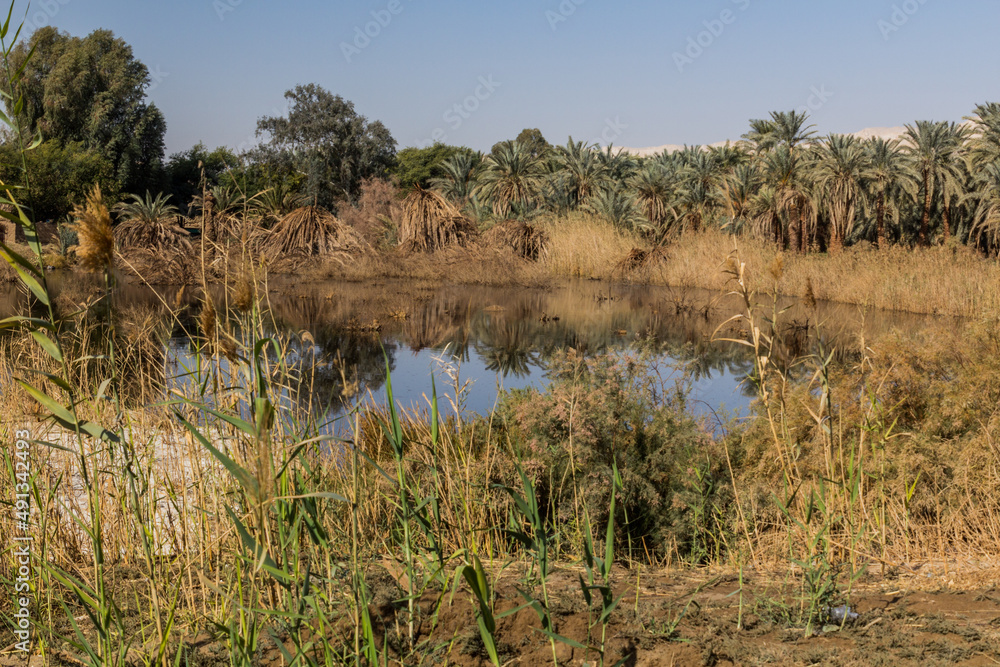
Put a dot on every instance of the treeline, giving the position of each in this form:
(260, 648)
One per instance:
(85, 101)
(939, 181)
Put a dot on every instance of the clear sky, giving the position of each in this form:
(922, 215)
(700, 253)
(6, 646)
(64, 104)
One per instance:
(635, 73)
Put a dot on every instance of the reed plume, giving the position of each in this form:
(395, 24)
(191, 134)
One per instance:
(96, 246)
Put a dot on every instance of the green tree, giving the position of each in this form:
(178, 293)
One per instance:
(92, 90)
(585, 171)
(326, 140)
(184, 172)
(512, 179)
(785, 133)
(533, 140)
(459, 176)
(932, 147)
(61, 175)
(840, 170)
(891, 178)
(419, 166)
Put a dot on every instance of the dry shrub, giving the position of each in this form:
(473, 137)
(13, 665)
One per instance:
(374, 215)
(525, 240)
(310, 232)
(161, 268)
(639, 260)
(431, 222)
(164, 234)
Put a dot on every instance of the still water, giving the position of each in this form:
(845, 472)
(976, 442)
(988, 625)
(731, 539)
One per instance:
(505, 338)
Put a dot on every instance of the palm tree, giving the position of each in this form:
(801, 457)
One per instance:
(786, 132)
(512, 178)
(932, 147)
(460, 173)
(621, 166)
(891, 176)
(737, 190)
(986, 213)
(695, 202)
(654, 189)
(152, 223)
(617, 206)
(586, 171)
(985, 144)
(785, 172)
(840, 169)
(764, 212)
(783, 128)
(952, 180)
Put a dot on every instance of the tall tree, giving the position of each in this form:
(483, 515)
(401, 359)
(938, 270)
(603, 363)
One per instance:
(932, 146)
(512, 178)
(585, 171)
(92, 90)
(786, 130)
(419, 166)
(891, 177)
(840, 170)
(326, 140)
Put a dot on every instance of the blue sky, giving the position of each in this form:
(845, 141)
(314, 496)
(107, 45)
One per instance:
(639, 73)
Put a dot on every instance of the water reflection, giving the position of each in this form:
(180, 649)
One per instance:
(505, 336)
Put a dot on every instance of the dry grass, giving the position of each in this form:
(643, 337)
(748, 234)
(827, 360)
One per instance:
(583, 246)
(942, 280)
(523, 239)
(431, 222)
(375, 215)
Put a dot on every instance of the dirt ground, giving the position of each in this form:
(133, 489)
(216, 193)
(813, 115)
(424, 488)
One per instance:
(917, 615)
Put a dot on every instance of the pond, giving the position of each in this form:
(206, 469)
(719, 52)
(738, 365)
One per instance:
(505, 338)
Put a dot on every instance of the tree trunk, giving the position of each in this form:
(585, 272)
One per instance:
(880, 239)
(946, 219)
(795, 227)
(836, 242)
(925, 221)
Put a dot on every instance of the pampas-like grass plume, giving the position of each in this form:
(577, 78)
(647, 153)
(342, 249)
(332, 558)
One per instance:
(96, 245)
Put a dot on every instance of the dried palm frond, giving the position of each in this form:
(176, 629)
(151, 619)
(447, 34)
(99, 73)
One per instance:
(525, 240)
(152, 224)
(639, 259)
(96, 241)
(431, 222)
(310, 231)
